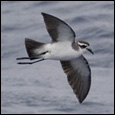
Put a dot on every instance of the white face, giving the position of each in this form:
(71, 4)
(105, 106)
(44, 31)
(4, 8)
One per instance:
(82, 49)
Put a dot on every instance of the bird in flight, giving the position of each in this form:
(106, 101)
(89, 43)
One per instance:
(67, 50)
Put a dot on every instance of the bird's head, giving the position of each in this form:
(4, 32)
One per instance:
(83, 45)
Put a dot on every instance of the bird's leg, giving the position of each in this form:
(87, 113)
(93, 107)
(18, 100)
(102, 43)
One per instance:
(25, 58)
(29, 62)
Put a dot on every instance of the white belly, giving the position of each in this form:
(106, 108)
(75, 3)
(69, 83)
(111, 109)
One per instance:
(61, 51)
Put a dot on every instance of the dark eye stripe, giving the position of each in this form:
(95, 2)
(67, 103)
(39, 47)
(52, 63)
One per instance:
(83, 46)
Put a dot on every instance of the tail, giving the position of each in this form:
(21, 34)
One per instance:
(34, 49)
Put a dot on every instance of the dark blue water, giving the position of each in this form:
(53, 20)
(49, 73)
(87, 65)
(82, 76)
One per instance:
(43, 87)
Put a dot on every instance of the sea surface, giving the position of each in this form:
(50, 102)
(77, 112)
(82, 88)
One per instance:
(43, 87)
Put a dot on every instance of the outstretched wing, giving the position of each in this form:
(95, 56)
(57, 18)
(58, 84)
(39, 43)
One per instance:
(57, 29)
(79, 76)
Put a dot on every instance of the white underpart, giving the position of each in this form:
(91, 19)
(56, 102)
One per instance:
(61, 51)
(40, 50)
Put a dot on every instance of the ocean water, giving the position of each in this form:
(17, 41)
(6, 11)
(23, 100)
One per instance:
(43, 87)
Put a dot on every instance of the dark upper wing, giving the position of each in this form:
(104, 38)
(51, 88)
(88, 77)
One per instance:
(79, 76)
(57, 29)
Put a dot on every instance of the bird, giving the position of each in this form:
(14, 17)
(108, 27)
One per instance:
(65, 48)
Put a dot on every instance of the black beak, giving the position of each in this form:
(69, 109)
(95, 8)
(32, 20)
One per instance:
(90, 50)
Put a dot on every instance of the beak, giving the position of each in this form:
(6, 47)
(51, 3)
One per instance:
(90, 50)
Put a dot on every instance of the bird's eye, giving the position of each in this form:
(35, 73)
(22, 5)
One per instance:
(83, 46)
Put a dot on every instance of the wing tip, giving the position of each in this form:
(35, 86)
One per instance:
(45, 14)
(42, 13)
(81, 100)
